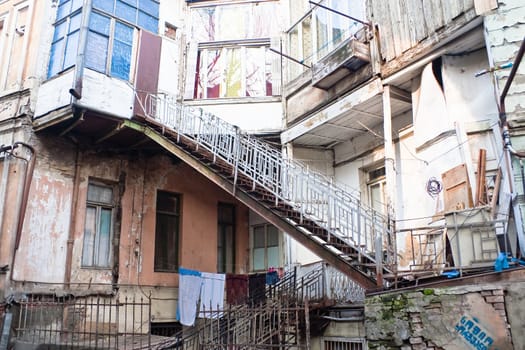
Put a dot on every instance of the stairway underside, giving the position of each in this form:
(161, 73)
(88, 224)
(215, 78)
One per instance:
(328, 247)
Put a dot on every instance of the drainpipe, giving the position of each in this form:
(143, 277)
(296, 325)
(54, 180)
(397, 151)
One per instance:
(76, 90)
(507, 145)
(25, 196)
(72, 220)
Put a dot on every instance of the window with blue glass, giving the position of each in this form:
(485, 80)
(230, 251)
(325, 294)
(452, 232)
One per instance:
(109, 46)
(65, 39)
(142, 13)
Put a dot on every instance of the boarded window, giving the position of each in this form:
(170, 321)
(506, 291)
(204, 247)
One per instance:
(98, 227)
(167, 231)
(265, 248)
(342, 344)
(226, 238)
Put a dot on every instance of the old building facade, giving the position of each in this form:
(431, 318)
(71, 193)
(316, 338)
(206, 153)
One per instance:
(143, 138)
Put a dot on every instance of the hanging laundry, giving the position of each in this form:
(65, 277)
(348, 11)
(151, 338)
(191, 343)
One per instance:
(272, 277)
(236, 288)
(257, 288)
(190, 283)
(212, 295)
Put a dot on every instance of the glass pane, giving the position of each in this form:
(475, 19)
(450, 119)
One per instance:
(166, 242)
(124, 33)
(232, 22)
(74, 22)
(203, 28)
(321, 16)
(71, 50)
(273, 236)
(258, 237)
(226, 213)
(126, 12)
(233, 73)
(89, 236)
(255, 68)
(258, 259)
(268, 73)
(76, 5)
(150, 7)
(131, 2)
(104, 5)
(64, 9)
(214, 74)
(167, 202)
(376, 197)
(308, 50)
(104, 239)
(55, 60)
(100, 194)
(340, 24)
(60, 31)
(99, 23)
(148, 22)
(121, 60)
(96, 52)
(273, 257)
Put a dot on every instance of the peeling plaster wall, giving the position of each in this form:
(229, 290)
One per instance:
(445, 318)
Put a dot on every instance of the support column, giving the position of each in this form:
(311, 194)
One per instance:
(390, 173)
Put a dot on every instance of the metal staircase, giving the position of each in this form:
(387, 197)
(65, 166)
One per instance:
(310, 207)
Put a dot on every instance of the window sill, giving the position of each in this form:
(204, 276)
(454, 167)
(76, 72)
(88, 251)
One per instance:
(239, 100)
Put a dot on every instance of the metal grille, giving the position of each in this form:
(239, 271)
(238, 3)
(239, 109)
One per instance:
(91, 322)
(343, 344)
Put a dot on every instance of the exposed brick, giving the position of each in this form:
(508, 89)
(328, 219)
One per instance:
(416, 340)
(499, 306)
(486, 293)
(495, 299)
(498, 292)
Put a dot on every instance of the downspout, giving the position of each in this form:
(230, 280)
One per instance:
(72, 220)
(507, 145)
(76, 90)
(25, 196)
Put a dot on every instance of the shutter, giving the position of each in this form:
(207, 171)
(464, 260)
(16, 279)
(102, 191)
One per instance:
(147, 72)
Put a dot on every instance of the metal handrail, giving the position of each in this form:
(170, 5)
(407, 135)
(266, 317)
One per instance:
(313, 195)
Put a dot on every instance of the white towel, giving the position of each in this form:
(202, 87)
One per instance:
(190, 283)
(212, 294)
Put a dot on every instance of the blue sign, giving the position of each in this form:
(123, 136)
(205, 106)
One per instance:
(473, 333)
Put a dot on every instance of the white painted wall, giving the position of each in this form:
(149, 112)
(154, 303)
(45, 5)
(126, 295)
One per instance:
(54, 93)
(110, 95)
(252, 117)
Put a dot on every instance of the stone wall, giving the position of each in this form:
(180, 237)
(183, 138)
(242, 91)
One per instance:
(467, 317)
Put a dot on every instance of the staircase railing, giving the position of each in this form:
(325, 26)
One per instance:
(314, 196)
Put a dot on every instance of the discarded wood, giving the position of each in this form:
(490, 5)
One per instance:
(457, 193)
(481, 188)
(495, 194)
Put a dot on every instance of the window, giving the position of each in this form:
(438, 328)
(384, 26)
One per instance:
(142, 13)
(167, 232)
(240, 71)
(98, 227)
(109, 46)
(265, 251)
(65, 39)
(376, 189)
(226, 238)
(343, 344)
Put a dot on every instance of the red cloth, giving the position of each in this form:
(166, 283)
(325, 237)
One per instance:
(236, 288)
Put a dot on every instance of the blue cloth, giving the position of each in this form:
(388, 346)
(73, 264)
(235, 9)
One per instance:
(272, 277)
(451, 274)
(501, 262)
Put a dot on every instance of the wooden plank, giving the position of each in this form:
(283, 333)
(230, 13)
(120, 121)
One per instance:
(481, 193)
(417, 24)
(483, 6)
(404, 26)
(394, 11)
(383, 19)
(495, 194)
(457, 193)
